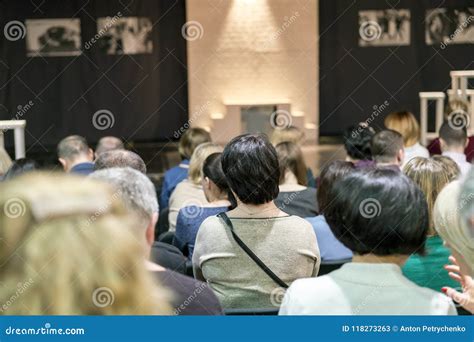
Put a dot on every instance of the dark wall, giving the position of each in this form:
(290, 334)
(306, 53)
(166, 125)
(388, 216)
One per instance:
(147, 93)
(354, 79)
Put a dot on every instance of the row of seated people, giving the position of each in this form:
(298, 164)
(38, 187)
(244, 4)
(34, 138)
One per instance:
(252, 247)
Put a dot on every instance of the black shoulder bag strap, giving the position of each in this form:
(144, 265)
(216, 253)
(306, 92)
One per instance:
(251, 254)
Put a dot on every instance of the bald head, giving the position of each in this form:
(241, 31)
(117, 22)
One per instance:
(120, 158)
(106, 144)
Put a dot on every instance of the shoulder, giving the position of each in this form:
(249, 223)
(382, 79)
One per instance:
(299, 222)
(211, 225)
(438, 302)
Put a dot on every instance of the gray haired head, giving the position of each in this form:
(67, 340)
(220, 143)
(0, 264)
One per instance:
(136, 190)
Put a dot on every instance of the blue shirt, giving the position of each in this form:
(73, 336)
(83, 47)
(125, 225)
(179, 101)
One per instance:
(188, 223)
(172, 178)
(329, 247)
(83, 168)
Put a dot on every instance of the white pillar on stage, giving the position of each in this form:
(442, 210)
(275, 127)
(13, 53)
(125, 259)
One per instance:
(18, 127)
(459, 81)
(439, 97)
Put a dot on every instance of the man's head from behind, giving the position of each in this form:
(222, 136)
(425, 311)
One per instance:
(74, 150)
(452, 138)
(387, 148)
(120, 158)
(106, 144)
(139, 196)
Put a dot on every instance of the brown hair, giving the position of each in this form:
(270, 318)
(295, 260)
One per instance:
(431, 177)
(406, 124)
(331, 173)
(290, 158)
(288, 134)
(191, 139)
(450, 166)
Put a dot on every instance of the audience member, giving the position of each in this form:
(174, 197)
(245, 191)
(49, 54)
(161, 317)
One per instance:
(67, 258)
(365, 216)
(286, 244)
(357, 141)
(19, 167)
(453, 141)
(217, 193)
(106, 144)
(387, 149)
(5, 161)
(75, 155)
(191, 139)
(449, 165)
(425, 270)
(294, 198)
(138, 193)
(452, 214)
(331, 249)
(120, 158)
(189, 191)
(296, 136)
(406, 124)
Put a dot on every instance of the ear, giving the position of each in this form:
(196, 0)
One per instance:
(467, 142)
(63, 163)
(206, 183)
(91, 154)
(442, 144)
(150, 230)
(401, 156)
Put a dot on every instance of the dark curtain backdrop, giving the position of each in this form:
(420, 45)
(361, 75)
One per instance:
(354, 79)
(147, 93)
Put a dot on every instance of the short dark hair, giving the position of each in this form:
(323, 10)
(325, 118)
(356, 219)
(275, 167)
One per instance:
(291, 159)
(109, 143)
(72, 146)
(120, 158)
(191, 139)
(385, 145)
(379, 211)
(453, 135)
(250, 164)
(357, 141)
(331, 173)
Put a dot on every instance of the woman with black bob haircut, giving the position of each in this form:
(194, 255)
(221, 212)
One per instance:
(285, 244)
(382, 216)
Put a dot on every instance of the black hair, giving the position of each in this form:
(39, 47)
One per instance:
(385, 145)
(250, 163)
(379, 211)
(212, 169)
(331, 173)
(357, 140)
(452, 134)
(19, 167)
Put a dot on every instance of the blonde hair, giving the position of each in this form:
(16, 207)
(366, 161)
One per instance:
(450, 166)
(431, 177)
(5, 161)
(447, 221)
(197, 160)
(289, 134)
(406, 124)
(191, 139)
(67, 248)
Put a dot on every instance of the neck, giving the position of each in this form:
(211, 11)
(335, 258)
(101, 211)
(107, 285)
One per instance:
(392, 163)
(377, 259)
(257, 211)
(77, 161)
(290, 179)
(455, 149)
